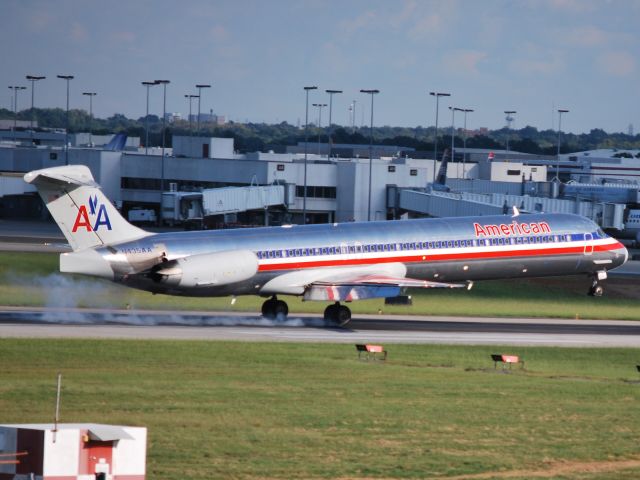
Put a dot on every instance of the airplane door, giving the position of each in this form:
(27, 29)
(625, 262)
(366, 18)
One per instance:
(588, 246)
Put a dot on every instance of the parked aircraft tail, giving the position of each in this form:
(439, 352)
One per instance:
(83, 213)
(441, 179)
(117, 143)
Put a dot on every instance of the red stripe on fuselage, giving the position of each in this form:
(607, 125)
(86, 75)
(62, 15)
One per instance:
(427, 258)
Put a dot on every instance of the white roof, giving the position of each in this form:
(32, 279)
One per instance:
(97, 431)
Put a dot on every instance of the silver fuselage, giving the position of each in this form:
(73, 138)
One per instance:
(444, 250)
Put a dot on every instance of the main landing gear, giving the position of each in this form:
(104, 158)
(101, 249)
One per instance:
(274, 308)
(337, 313)
(277, 309)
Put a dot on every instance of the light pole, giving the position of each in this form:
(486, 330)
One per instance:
(191, 97)
(146, 118)
(33, 79)
(164, 84)
(560, 112)
(68, 78)
(200, 87)
(509, 119)
(435, 139)
(90, 95)
(306, 142)
(320, 107)
(15, 89)
(372, 93)
(353, 119)
(453, 115)
(331, 93)
(464, 156)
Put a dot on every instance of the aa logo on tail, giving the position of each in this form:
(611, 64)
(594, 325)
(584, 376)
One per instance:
(98, 213)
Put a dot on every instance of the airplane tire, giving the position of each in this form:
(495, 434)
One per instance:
(596, 291)
(344, 315)
(273, 309)
(281, 309)
(268, 308)
(331, 313)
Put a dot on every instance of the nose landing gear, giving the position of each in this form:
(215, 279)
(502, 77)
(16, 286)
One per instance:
(596, 290)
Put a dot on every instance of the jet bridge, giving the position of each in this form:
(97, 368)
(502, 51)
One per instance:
(448, 204)
(182, 208)
(218, 201)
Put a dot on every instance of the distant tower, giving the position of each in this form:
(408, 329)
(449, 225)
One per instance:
(630, 130)
(509, 119)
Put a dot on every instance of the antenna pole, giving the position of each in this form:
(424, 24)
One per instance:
(57, 417)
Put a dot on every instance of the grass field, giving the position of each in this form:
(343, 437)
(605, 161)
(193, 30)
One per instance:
(32, 279)
(235, 410)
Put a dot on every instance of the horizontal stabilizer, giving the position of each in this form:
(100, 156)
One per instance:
(78, 175)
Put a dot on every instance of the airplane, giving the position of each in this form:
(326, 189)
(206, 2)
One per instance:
(336, 263)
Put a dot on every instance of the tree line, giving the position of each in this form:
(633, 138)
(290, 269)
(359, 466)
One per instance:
(251, 137)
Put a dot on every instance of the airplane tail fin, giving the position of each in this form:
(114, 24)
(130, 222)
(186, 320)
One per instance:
(117, 143)
(441, 178)
(86, 217)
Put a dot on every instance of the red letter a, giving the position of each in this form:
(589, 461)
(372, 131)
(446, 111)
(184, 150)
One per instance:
(82, 220)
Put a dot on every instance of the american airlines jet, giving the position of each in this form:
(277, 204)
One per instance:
(340, 262)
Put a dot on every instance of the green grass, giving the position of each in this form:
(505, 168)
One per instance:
(238, 410)
(31, 279)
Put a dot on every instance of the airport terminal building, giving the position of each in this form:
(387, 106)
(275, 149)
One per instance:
(205, 178)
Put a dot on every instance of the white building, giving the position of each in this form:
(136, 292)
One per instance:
(84, 451)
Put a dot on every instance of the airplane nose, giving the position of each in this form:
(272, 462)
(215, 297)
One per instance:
(621, 255)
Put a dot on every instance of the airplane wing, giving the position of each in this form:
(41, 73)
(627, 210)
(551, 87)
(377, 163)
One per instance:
(369, 286)
(350, 283)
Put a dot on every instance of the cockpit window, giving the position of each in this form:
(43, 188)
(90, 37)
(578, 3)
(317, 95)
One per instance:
(600, 233)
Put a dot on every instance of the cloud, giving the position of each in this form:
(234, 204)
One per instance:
(426, 25)
(219, 33)
(335, 58)
(585, 36)
(543, 67)
(405, 14)
(617, 64)
(78, 32)
(573, 6)
(533, 59)
(123, 37)
(39, 20)
(464, 61)
(363, 21)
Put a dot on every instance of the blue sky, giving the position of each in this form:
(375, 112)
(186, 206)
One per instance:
(532, 56)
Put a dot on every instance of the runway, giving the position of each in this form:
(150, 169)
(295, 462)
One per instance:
(16, 322)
